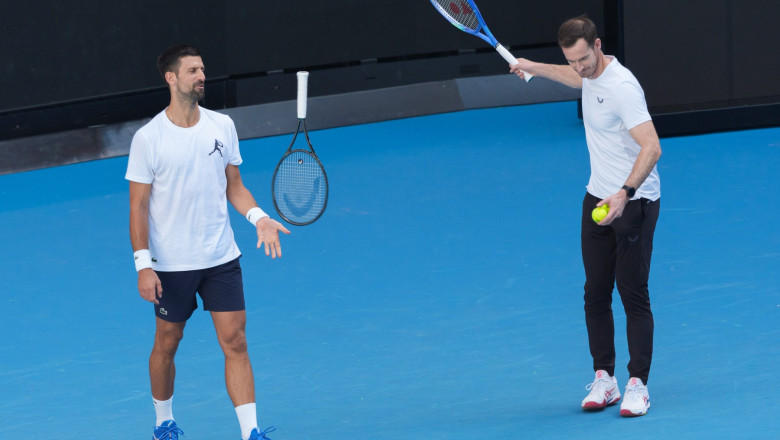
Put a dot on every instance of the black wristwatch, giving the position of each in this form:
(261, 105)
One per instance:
(630, 191)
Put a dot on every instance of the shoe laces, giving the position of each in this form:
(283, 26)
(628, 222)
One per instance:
(171, 432)
(261, 435)
(635, 392)
(599, 385)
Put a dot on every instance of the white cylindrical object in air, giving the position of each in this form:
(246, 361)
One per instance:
(303, 93)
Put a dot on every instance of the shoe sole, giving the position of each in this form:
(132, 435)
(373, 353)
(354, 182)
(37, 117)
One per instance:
(594, 406)
(629, 413)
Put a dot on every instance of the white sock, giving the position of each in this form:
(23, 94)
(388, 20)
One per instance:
(247, 418)
(164, 409)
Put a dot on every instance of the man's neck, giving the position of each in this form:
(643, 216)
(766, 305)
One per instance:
(183, 114)
(602, 65)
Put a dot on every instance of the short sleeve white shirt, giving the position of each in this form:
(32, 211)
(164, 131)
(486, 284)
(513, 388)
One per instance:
(189, 226)
(613, 104)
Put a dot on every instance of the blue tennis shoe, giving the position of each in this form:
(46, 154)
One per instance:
(257, 435)
(168, 431)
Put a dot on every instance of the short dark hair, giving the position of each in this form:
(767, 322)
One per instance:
(170, 60)
(575, 28)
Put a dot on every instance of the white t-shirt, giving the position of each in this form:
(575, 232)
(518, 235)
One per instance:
(189, 226)
(613, 104)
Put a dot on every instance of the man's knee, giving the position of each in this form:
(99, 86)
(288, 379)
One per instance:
(233, 342)
(636, 301)
(167, 338)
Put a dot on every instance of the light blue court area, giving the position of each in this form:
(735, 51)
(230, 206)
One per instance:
(439, 297)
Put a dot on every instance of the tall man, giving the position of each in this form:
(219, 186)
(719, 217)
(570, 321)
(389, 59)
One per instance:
(624, 149)
(183, 169)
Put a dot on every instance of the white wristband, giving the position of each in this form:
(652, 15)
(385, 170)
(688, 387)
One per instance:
(255, 214)
(143, 259)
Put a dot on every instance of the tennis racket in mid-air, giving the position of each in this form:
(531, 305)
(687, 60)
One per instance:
(299, 186)
(466, 17)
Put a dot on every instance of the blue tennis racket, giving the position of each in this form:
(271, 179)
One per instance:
(464, 15)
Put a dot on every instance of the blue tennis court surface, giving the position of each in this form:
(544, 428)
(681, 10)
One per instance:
(439, 297)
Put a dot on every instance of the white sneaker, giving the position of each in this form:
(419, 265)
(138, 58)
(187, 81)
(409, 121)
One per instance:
(637, 400)
(603, 392)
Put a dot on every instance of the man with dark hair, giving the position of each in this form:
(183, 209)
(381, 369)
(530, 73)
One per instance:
(624, 149)
(170, 59)
(182, 239)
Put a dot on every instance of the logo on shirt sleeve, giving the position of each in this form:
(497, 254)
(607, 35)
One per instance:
(218, 146)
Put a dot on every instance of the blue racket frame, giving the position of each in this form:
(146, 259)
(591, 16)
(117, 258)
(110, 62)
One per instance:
(480, 31)
(486, 36)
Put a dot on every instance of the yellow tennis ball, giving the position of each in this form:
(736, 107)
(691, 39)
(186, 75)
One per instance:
(599, 213)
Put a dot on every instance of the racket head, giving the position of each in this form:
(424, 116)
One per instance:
(460, 13)
(464, 15)
(299, 187)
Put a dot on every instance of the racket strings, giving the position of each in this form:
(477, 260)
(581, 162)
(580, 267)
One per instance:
(300, 187)
(461, 12)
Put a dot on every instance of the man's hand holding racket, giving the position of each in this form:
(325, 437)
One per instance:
(268, 234)
(522, 67)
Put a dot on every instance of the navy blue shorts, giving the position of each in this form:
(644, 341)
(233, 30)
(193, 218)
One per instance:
(221, 288)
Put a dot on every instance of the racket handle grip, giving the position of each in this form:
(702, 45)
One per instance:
(303, 93)
(512, 60)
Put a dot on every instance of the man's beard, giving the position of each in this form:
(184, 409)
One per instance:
(193, 95)
(592, 69)
(196, 95)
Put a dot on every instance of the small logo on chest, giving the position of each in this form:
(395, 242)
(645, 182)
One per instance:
(218, 146)
(600, 100)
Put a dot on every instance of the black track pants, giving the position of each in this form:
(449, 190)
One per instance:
(619, 254)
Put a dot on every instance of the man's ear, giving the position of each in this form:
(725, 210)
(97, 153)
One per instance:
(170, 78)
